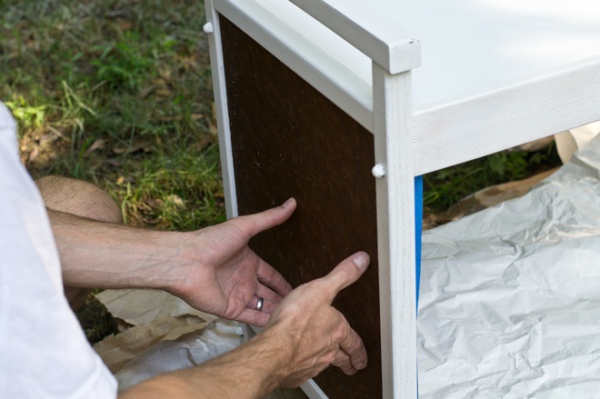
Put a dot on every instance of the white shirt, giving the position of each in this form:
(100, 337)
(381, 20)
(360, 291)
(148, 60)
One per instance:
(43, 351)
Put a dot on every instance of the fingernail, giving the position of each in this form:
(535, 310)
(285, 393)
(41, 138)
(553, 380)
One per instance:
(287, 203)
(361, 261)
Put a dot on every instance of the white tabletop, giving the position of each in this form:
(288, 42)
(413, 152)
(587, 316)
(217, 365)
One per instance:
(486, 74)
(472, 46)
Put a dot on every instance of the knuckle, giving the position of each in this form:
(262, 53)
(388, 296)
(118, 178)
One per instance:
(330, 358)
(342, 328)
(339, 333)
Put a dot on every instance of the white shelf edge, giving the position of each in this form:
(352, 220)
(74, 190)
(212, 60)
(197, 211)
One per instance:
(395, 50)
(479, 126)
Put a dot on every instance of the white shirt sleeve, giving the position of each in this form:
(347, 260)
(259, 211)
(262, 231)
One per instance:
(43, 351)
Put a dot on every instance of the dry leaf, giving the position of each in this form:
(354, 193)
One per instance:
(176, 200)
(125, 24)
(124, 180)
(154, 203)
(34, 154)
(99, 144)
(175, 118)
(114, 162)
(145, 146)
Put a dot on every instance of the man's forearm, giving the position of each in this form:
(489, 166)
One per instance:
(248, 372)
(212, 269)
(104, 255)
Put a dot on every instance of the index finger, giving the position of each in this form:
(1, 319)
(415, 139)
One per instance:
(259, 222)
(344, 274)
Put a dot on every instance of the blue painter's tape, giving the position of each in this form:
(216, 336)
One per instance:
(418, 232)
(418, 228)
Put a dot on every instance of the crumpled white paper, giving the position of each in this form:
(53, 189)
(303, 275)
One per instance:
(186, 351)
(166, 334)
(510, 296)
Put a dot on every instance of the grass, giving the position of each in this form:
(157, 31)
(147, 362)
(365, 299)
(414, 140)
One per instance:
(117, 93)
(444, 188)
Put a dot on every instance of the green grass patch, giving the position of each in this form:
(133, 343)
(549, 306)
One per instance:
(445, 187)
(117, 93)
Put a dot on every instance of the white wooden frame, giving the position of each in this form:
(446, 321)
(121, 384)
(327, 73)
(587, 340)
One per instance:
(365, 69)
(396, 232)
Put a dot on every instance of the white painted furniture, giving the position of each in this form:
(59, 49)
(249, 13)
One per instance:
(437, 83)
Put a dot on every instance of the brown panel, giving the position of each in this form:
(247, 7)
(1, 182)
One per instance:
(289, 140)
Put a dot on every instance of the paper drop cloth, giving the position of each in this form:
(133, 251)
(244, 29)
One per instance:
(510, 296)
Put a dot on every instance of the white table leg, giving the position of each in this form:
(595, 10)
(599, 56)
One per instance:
(396, 231)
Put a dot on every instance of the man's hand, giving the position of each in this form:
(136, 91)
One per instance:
(225, 277)
(213, 269)
(304, 336)
(320, 335)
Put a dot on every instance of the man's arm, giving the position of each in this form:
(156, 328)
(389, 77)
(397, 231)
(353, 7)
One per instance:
(305, 335)
(213, 269)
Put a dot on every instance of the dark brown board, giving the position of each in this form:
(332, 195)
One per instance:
(290, 141)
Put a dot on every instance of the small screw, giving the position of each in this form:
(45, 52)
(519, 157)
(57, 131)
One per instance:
(208, 28)
(378, 171)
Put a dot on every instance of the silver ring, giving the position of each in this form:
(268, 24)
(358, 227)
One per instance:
(259, 304)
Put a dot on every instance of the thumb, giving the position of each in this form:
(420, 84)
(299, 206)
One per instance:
(344, 274)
